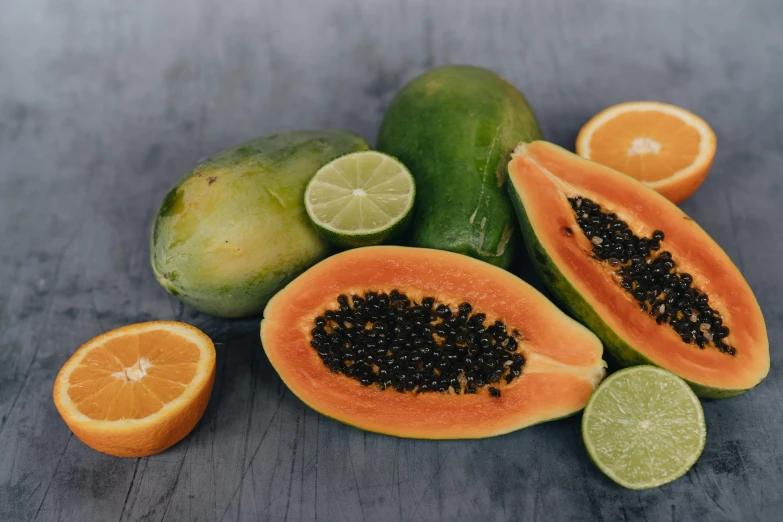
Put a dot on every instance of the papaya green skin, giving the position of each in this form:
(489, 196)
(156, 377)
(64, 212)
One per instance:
(454, 128)
(234, 230)
(618, 352)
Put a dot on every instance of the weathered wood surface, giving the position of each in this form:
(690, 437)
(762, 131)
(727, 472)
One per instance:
(104, 104)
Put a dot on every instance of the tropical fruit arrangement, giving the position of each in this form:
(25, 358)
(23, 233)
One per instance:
(382, 276)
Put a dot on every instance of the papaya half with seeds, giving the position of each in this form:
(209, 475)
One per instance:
(234, 230)
(454, 128)
(638, 272)
(423, 343)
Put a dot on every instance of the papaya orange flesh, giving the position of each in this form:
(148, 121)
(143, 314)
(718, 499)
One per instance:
(543, 178)
(563, 363)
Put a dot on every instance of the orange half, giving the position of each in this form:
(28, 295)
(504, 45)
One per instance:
(666, 147)
(137, 390)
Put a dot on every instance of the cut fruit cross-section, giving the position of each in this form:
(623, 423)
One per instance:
(361, 199)
(137, 390)
(644, 427)
(667, 148)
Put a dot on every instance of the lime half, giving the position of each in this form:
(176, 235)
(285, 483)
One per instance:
(360, 199)
(644, 427)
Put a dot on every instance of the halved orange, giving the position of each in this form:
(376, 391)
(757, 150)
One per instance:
(664, 146)
(137, 390)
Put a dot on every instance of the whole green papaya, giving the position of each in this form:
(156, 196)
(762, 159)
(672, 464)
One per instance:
(234, 230)
(454, 127)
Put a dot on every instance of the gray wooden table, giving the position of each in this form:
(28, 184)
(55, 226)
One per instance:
(104, 104)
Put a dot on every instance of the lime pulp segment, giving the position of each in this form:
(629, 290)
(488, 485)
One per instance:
(362, 193)
(644, 427)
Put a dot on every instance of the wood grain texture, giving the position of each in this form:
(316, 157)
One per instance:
(103, 105)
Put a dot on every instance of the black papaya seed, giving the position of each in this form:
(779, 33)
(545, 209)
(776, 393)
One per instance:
(386, 340)
(649, 274)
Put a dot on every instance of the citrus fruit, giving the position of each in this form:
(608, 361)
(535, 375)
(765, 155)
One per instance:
(137, 390)
(664, 146)
(361, 199)
(644, 427)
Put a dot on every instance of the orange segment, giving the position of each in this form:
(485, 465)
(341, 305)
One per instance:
(167, 348)
(137, 390)
(124, 348)
(179, 373)
(146, 403)
(102, 360)
(664, 146)
(81, 392)
(95, 402)
(164, 389)
(83, 374)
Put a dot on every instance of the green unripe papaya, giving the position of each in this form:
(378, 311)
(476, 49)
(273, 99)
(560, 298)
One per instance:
(454, 128)
(234, 230)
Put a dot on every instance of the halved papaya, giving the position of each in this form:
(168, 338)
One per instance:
(638, 271)
(424, 343)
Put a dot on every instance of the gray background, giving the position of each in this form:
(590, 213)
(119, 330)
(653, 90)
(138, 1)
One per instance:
(103, 106)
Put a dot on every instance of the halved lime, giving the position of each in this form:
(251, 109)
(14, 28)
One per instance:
(644, 427)
(360, 199)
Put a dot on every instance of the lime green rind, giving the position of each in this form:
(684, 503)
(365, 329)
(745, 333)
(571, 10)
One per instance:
(348, 239)
(233, 231)
(388, 236)
(454, 127)
(619, 352)
(686, 466)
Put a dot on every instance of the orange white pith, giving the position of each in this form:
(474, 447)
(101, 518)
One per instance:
(137, 390)
(664, 146)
